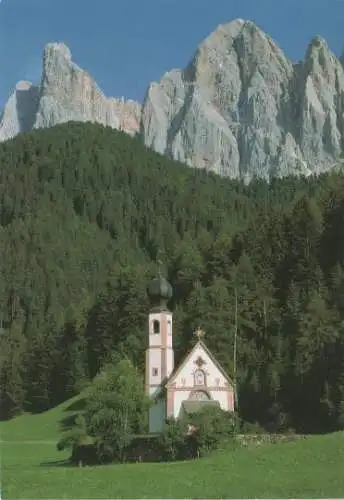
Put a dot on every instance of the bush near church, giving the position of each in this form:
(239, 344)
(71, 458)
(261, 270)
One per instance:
(197, 434)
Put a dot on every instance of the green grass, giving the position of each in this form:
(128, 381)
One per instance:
(304, 468)
(43, 427)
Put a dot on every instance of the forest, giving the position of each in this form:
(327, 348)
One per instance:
(85, 212)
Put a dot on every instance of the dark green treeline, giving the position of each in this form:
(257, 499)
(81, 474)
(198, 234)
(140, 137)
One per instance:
(84, 211)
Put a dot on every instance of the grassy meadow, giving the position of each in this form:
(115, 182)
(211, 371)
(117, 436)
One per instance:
(32, 468)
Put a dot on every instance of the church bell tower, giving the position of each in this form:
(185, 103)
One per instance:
(159, 353)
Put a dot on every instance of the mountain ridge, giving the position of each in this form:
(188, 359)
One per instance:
(240, 108)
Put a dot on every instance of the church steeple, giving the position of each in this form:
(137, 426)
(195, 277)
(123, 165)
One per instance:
(159, 354)
(159, 291)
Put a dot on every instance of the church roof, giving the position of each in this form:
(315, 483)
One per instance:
(201, 344)
(191, 407)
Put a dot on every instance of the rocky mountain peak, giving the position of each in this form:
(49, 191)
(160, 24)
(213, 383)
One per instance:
(23, 85)
(66, 93)
(239, 108)
(221, 112)
(242, 109)
(20, 110)
(240, 38)
(56, 49)
(319, 55)
(69, 93)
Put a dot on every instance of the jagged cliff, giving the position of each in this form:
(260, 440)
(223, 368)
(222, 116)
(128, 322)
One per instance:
(20, 111)
(240, 108)
(66, 93)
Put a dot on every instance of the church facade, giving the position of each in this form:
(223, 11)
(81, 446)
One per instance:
(199, 379)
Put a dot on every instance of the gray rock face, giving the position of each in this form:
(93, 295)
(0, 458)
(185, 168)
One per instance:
(66, 93)
(69, 93)
(20, 111)
(242, 109)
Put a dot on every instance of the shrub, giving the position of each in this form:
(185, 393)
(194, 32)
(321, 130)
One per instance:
(84, 454)
(173, 439)
(210, 428)
(197, 434)
(250, 428)
(76, 436)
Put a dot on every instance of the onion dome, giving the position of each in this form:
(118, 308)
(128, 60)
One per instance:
(159, 292)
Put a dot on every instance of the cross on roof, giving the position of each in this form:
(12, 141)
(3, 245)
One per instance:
(159, 266)
(199, 333)
(159, 263)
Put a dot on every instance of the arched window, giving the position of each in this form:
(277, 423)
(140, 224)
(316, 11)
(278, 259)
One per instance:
(156, 327)
(169, 327)
(199, 377)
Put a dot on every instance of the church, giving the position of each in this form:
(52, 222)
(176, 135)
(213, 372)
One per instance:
(199, 379)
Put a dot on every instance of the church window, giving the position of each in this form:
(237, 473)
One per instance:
(199, 377)
(155, 372)
(169, 327)
(156, 327)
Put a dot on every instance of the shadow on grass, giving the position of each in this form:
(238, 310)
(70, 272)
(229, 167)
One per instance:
(77, 405)
(56, 463)
(67, 422)
(68, 464)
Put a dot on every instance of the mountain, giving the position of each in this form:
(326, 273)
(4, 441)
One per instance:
(20, 111)
(240, 108)
(66, 93)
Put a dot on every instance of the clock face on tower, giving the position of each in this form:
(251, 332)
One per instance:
(199, 377)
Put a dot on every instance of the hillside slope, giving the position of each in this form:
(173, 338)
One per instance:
(84, 213)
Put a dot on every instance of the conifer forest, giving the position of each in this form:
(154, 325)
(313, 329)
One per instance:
(86, 212)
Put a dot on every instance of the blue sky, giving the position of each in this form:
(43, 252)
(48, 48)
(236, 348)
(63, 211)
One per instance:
(125, 44)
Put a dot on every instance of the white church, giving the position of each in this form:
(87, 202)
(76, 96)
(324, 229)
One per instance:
(198, 380)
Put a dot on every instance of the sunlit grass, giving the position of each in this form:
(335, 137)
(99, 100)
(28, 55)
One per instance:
(45, 426)
(305, 468)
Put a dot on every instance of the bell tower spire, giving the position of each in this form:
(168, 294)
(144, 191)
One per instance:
(159, 353)
(159, 267)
